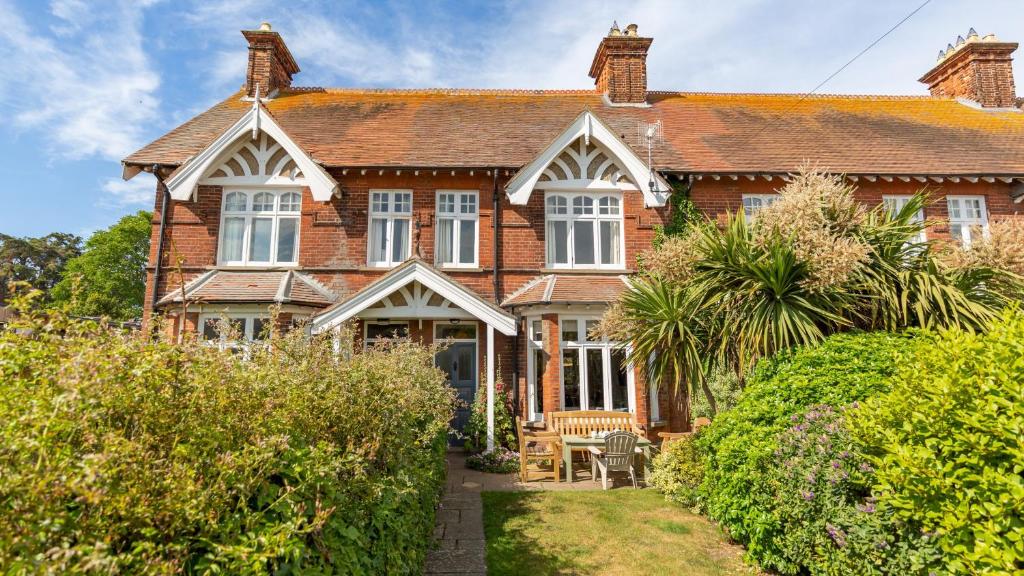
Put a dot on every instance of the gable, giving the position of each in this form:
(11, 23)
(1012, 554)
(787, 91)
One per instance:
(588, 156)
(260, 161)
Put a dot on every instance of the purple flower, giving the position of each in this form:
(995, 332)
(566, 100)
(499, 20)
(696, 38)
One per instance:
(836, 464)
(844, 454)
(807, 495)
(867, 508)
(865, 467)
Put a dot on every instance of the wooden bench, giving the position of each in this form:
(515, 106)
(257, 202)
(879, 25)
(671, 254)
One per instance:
(583, 422)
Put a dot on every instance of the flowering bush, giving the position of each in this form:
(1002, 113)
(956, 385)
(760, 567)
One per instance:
(677, 472)
(499, 461)
(475, 432)
(119, 455)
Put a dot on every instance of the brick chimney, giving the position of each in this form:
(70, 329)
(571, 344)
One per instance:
(619, 69)
(270, 63)
(975, 68)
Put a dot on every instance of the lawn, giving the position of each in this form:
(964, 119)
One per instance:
(601, 532)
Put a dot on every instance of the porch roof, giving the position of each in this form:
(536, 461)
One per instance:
(568, 289)
(416, 270)
(271, 286)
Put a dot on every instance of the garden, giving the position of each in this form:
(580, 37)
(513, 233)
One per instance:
(122, 455)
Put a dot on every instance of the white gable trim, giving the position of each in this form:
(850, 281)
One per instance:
(184, 183)
(416, 271)
(588, 126)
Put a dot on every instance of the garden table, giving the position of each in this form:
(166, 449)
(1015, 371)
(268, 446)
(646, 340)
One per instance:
(570, 443)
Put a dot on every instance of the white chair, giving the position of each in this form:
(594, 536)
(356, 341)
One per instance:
(618, 454)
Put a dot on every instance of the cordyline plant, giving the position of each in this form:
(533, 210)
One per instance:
(813, 263)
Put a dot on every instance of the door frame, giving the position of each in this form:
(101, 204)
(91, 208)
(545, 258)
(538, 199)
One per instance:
(476, 354)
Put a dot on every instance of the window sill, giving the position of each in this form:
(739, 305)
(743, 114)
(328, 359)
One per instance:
(258, 266)
(549, 270)
(460, 268)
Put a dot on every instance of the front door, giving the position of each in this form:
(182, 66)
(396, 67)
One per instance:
(458, 360)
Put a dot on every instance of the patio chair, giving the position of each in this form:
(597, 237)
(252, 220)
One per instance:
(538, 445)
(618, 454)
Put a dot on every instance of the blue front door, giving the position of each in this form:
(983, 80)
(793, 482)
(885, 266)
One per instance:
(459, 362)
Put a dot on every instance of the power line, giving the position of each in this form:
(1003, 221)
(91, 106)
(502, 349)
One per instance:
(844, 66)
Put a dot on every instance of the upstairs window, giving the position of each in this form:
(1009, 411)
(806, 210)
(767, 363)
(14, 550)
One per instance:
(893, 204)
(390, 222)
(260, 228)
(583, 231)
(754, 202)
(968, 219)
(457, 228)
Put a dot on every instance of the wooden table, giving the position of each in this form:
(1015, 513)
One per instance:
(569, 443)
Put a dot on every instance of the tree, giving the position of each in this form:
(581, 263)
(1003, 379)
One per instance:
(109, 277)
(37, 261)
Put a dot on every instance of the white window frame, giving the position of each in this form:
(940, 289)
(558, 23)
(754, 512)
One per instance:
(248, 214)
(248, 328)
(457, 216)
(765, 200)
(895, 202)
(532, 346)
(441, 323)
(596, 218)
(581, 346)
(370, 342)
(390, 216)
(967, 223)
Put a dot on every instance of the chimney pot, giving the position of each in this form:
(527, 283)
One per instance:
(265, 27)
(980, 71)
(619, 68)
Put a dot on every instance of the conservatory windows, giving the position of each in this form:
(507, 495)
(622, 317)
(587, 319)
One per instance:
(390, 223)
(457, 229)
(968, 220)
(583, 231)
(595, 375)
(260, 228)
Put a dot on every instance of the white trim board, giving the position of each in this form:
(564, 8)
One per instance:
(588, 126)
(415, 270)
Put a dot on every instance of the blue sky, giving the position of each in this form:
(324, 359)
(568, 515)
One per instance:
(84, 83)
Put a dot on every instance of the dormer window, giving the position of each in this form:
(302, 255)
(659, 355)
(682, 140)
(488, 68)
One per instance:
(390, 221)
(260, 228)
(583, 230)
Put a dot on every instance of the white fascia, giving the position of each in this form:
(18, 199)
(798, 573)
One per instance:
(184, 183)
(588, 126)
(416, 271)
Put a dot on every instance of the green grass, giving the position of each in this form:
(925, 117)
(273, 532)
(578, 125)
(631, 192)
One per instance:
(602, 532)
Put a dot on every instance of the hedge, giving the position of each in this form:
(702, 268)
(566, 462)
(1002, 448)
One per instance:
(124, 456)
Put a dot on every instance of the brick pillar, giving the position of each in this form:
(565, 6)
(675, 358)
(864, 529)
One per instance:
(553, 357)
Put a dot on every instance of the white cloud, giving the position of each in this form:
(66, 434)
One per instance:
(139, 191)
(86, 84)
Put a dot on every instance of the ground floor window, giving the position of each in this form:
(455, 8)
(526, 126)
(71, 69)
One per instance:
(377, 332)
(536, 360)
(595, 375)
(968, 220)
(233, 330)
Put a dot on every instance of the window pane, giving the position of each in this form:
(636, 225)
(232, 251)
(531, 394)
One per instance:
(287, 236)
(399, 240)
(588, 335)
(956, 231)
(379, 202)
(233, 234)
(467, 204)
(539, 365)
(620, 391)
(210, 329)
(610, 243)
(583, 242)
(537, 331)
(402, 202)
(291, 202)
(595, 379)
(608, 206)
(583, 206)
(446, 203)
(557, 205)
(467, 241)
(571, 377)
(263, 202)
(259, 239)
(375, 331)
(235, 201)
(464, 359)
(378, 240)
(445, 240)
(558, 242)
(954, 207)
(260, 327)
(570, 331)
(460, 331)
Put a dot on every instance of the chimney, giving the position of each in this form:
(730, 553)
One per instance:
(975, 68)
(619, 69)
(271, 65)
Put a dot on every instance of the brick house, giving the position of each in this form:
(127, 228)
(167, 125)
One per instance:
(504, 221)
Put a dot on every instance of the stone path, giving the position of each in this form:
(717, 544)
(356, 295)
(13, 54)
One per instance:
(460, 547)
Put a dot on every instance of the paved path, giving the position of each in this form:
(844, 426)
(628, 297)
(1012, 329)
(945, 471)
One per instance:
(460, 547)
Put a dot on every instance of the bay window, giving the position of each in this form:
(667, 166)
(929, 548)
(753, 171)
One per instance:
(390, 223)
(583, 231)
(968, 220)
(595, 375)
(233, 331)
(260, 228)
(457, 227)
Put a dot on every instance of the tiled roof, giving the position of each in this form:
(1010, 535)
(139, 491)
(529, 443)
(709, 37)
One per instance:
(568, 288)
(282, 287)
(702, 132)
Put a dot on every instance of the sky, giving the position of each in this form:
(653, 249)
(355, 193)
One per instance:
(85, 83)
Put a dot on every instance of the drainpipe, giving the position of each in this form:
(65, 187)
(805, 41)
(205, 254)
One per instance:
(495, 217)
(160, 240)
(515, 369)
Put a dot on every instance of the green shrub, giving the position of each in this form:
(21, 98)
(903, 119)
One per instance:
(725, 387)
(677, 472)
(125, 456)
(475, 432)
(740, 444)
(498, 461)
(947, 445)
